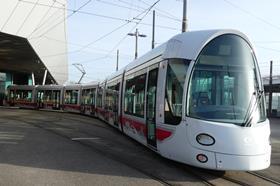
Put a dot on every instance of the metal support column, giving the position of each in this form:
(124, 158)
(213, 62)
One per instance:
(45, 77)
(33, 78)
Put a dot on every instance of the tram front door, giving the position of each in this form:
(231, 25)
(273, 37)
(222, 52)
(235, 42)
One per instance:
(151, 108)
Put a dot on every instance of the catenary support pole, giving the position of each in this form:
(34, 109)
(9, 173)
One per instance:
(153, 34)
(270, 91)
(184, 21)
(117, 66)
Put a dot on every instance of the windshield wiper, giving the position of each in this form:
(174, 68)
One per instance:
(252, 106)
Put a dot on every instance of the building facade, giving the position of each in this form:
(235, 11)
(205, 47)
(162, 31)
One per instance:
(33, 42)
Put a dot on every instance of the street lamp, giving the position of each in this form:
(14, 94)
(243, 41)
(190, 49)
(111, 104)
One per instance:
(136, 34)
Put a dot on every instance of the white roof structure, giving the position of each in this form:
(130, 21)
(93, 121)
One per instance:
(40, 25)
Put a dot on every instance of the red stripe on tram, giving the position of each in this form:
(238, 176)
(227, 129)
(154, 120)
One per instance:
(161, 134)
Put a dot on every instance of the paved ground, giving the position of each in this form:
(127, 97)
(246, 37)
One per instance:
(36, 149)
(49, 148)
(274, 170)
(32, 156)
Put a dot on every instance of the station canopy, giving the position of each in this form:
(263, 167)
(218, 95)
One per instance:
(18, 56)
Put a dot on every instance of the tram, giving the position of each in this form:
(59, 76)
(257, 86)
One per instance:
(196, 99)
(72, 98)
(49, 96)
(22, 96)
(88, 99)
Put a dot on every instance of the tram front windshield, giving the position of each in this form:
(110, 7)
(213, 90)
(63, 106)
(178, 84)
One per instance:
(224, 84)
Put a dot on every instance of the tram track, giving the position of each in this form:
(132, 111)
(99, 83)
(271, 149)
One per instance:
(214, 179)
(98, 150)
(264, 177)
(207, 177)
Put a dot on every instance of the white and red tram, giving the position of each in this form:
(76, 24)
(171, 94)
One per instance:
(197, 99)
(72, 98)
(88, 99)
(22, 96)
(49, 96)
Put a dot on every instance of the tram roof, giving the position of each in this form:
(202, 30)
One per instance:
(186, 45)
(90, 85)
(47, 87)
(24, 87)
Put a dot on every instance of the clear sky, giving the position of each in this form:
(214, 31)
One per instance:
(95, 33)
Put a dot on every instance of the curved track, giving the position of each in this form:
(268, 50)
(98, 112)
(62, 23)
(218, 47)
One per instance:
(109, 142)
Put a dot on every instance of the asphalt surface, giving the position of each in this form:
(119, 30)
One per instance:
(49, 148)
(32, 156)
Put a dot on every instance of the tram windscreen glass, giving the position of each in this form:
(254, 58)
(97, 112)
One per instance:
(224, 83)
(175, 78)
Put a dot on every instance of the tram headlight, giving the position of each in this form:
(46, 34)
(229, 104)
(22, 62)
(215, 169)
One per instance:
(205, 139)
(202, 158)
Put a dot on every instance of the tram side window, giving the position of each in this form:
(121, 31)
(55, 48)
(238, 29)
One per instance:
(24, 95)
(112, 96)
(99, 97)
(135, 96)
(12, 94)
(116, 97)
(71, 97)
(47, 95)
(87, 96)
(56, 96)
(92, 95)
(175, 78)
(109, 99)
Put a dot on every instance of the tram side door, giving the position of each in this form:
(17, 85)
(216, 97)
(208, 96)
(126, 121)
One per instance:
(40, 95)
(115, 107)
(56, 99)
(151, 108)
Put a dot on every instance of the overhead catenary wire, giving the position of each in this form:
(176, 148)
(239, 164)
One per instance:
(100, 38)
(159, 10)
(107, 34)
(70, 15)
(267, 48)
(28, 15)
(160, 13)
(92, 49)
(9, 17)
(252, 15)
(43, 18)
(97, 15)
(108, 54)
(122, 39)
(120, 6)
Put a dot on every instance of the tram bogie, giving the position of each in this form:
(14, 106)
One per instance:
(197, 99)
